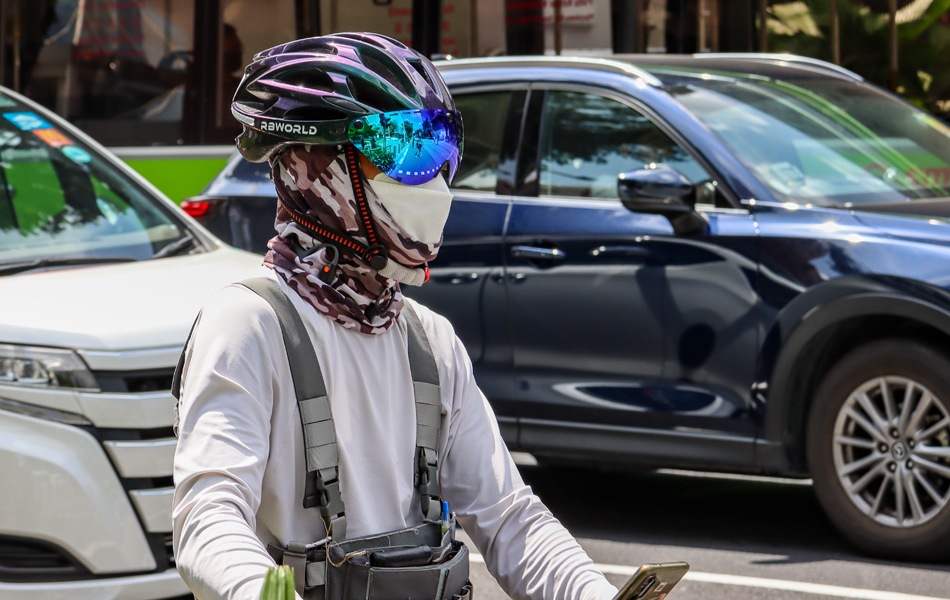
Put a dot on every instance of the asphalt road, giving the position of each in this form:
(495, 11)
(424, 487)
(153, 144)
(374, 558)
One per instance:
(745, 538)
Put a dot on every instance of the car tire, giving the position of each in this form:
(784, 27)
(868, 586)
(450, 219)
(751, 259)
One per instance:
(878, 449)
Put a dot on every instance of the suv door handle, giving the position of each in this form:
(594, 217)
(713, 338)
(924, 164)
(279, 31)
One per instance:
(455, 278)
(511, 278)
(536, 253)
(626, 251)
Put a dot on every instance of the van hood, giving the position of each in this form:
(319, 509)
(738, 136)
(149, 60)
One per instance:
(131, 306)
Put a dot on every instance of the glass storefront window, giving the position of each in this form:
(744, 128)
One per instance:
(106, 61)
(394, 18)
(161, 72)
(141, 72)
(243, 34)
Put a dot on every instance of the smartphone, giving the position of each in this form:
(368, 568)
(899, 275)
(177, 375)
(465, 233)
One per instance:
(652, 581)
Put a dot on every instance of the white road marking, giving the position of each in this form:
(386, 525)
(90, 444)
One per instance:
(734, 476)
(819, 589)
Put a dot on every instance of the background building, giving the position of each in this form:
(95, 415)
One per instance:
(153, 78)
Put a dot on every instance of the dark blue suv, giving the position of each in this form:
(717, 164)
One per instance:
(719, 262)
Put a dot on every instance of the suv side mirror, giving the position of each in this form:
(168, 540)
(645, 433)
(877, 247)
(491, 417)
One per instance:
(661, 190)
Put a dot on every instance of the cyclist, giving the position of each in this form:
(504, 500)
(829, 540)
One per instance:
(362, 136)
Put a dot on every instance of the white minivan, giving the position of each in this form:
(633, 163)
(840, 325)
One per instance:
(101, 278)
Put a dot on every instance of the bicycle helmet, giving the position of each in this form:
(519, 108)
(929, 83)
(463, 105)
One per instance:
(309, 91)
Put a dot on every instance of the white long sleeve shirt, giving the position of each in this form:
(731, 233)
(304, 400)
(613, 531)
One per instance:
(239, 463)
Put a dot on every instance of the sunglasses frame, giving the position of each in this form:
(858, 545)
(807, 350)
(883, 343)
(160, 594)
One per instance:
(342, 131)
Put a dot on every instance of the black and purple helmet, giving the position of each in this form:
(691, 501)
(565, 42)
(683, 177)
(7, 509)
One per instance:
(310, 91)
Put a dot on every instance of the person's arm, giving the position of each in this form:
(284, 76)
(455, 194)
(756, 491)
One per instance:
(228, 385)
(527, 550)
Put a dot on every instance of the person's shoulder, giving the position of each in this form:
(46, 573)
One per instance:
(445, 343)
(235, 303)
(434, 324)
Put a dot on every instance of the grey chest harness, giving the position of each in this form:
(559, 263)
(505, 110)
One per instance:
(422, 562)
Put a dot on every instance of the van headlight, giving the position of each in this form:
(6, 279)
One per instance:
(36, 366)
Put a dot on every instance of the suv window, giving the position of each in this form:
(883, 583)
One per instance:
(588, 140)
(483, 117)
(826, 141)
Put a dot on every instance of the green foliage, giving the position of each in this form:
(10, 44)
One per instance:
(278, 584)
(923, 74)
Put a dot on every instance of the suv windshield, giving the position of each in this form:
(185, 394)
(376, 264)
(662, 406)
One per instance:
(827, 142)
(61, 203)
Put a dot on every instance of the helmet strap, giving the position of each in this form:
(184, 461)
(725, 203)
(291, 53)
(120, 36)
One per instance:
(380, 304)
(334, 238)
(362, 206)
(376, 255)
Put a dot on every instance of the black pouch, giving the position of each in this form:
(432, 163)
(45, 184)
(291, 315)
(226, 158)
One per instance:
(367, 579)
(417, 562)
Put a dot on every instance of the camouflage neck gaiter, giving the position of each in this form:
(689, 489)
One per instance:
(313, 180)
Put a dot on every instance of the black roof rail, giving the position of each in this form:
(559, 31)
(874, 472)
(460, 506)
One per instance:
(791, 58)
(578, 62)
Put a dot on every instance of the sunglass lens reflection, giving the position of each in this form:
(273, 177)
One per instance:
(409, 146)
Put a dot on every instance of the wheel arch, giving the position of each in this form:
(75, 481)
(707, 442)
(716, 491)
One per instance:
(819, 327)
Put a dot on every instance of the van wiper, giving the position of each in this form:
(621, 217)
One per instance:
(45, 263)
(187, 242)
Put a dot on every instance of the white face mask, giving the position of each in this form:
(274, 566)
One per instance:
(419, 210)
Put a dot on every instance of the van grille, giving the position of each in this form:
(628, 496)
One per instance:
(31, 560)
(162, 547)
(133, 382)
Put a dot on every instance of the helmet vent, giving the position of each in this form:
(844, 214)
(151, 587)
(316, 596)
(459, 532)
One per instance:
(308, 79)
(348, 106)
(311, 113)
(373, 96)
(395, 78)
(422, 72)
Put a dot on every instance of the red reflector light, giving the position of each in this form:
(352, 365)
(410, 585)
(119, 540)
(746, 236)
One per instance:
(199, 208)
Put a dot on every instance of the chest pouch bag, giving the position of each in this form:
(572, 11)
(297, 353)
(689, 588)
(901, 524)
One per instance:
(424, 562)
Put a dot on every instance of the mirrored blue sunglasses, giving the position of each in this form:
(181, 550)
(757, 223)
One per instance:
(411, 146)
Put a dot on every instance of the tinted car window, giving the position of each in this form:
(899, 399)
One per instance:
(588, 140)
(59, 199)
(483, 116)
(246, 170)
(827, 142)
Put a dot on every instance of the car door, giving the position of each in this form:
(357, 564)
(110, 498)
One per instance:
(466, 283)
(629, 341)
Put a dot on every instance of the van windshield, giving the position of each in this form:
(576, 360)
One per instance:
(63, 203)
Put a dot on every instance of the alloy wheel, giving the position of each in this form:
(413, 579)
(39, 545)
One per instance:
(891, 451)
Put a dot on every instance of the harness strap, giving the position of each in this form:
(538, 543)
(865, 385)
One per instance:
(320, 444)
(425, 384)
(322, 488)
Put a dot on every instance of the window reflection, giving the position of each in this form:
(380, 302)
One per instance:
(56, 195)
(588, 140)
(827, 142)
(484, 118)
